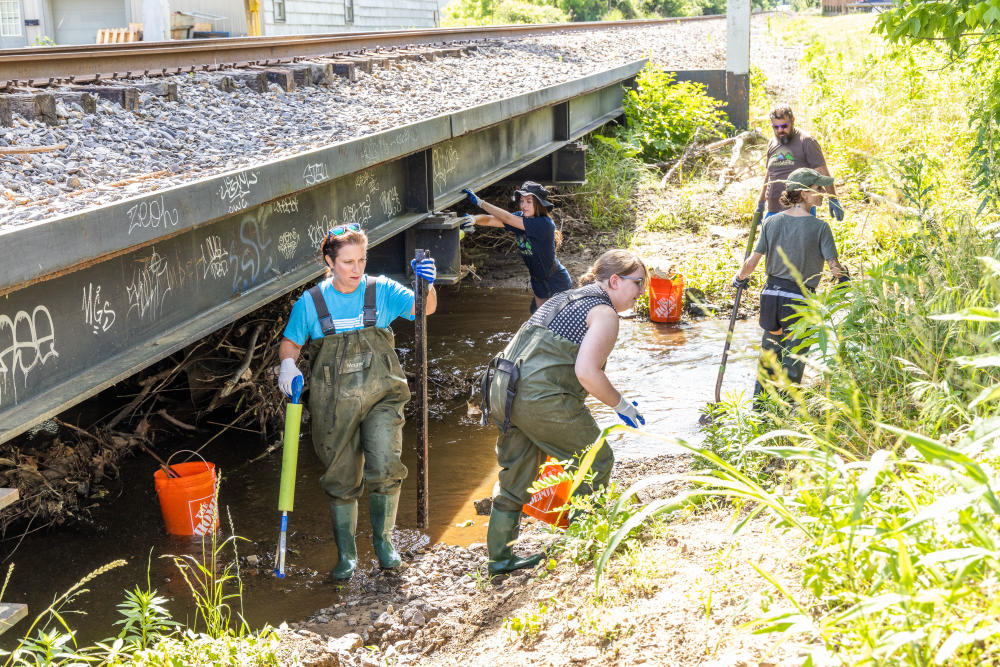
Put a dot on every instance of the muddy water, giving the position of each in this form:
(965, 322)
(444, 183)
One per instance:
(669, 370)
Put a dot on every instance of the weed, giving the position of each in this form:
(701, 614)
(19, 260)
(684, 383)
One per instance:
(528, 625)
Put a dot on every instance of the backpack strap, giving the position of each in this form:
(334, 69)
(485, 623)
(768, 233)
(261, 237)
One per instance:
(325, 321)
(369, 315)
(565, 298)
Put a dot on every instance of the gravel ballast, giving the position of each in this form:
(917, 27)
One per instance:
(114, 154)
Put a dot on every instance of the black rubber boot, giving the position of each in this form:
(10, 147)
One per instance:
(382, 510)
(345, 526)
(502, 532)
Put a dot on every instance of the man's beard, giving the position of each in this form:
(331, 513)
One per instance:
(785, 139)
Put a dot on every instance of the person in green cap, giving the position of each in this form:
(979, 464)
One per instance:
(535, 391)
(806, 242)
(357, 387)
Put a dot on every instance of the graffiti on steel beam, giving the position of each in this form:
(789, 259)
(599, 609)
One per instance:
(317, 231)
(27, 340)
(288, 204)
(236, 188)
(152, 214)
(381, 148)
(315, 173)
(149, 287)
(444, 162)
(214, 258)
(391, 205)
(97, 312)
(288, 243)
(251, 258)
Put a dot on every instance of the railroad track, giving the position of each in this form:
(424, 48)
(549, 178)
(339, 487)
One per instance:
(60, 65)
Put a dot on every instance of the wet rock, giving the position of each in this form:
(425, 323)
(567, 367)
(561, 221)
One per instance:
(483, 506)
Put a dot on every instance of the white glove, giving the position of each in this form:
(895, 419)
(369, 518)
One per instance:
(289, 371)
(629, 413)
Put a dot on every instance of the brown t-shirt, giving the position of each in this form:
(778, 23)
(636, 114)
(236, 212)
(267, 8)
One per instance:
(783, 159)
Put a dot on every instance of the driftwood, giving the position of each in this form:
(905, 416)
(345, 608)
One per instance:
(680, 161)
(694, 151)
(899, 208)
(21, 150)
(730, 169)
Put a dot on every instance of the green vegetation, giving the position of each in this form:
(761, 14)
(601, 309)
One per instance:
(498, 12)
(149, 636)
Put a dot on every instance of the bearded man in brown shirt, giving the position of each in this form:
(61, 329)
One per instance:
(791, 149)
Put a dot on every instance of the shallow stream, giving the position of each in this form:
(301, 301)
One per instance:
(670, 370)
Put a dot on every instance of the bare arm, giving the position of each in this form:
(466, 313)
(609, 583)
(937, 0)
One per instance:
(602, 333)
(836, 267)
(483, 220)
(749, 265)
(826, 172)
(501, 215)
(432, 303)
(288, 349)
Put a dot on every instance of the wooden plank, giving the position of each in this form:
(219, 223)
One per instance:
(8, 497)
(11, 613)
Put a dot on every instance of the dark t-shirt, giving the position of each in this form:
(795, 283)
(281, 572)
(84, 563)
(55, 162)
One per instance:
(537, 243)
(806, 241)
(783, 159)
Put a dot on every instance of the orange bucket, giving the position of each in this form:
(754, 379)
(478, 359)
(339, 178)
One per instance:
(188, 501)
(545, 504)
(666, 298)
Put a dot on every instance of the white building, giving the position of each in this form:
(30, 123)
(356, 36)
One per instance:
(30, 22)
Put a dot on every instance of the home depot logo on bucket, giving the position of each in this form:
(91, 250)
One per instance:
(203, 515)
(666, 297)
(546, 504)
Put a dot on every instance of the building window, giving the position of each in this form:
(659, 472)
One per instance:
(279, 11)
(10, 18)
(349, 12)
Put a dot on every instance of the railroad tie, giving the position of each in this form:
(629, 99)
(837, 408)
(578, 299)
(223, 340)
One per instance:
(125, 96)
(302, 73)
(41, 106)
(254, 80)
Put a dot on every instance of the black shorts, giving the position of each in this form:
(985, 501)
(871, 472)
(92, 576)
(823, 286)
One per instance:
(778, 300)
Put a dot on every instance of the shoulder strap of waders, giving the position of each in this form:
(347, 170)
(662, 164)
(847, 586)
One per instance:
(566, 298)
(369, 315)
(325, 321)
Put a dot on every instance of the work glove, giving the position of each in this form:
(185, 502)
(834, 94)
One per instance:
(836, 210)
(425, 268)
(629, 413)
(741, 283)
(473, 199)
(468, 224)
(289, 371)
(843, 278)
(760, 207)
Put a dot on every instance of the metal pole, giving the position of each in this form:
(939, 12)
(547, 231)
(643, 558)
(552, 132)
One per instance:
(420, 343)
(738, 62)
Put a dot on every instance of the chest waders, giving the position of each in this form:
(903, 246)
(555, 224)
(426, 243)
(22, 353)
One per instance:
(356, 400)
(534, 397)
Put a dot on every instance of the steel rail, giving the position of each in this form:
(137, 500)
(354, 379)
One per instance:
(42, 64)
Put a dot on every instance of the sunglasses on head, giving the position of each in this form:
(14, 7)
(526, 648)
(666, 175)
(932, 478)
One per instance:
(779, 126)
(340, 230)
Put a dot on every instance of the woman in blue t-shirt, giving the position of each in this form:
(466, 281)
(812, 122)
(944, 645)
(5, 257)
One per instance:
(536, 238)
(357, 388)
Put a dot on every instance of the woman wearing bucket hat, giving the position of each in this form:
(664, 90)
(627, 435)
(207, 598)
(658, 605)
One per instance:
(536, 237)
(794, 243)
(357, 388)
(535, 392)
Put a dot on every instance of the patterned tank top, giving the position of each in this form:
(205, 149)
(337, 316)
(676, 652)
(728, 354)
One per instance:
(570, 314)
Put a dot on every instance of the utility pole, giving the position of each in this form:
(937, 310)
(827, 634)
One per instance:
(738, 62)
(155, 20)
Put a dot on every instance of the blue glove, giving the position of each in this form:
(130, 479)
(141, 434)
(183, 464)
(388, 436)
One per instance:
(836, 210)
(473, 199)
(760, 206)
(741, 283)
(425, 268)
(843, 278)
(629, 413)
(468, 224)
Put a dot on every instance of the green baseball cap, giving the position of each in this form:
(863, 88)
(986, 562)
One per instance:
(806, 179)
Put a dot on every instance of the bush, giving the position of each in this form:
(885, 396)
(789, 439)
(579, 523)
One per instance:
(473, 12)
(664, 116)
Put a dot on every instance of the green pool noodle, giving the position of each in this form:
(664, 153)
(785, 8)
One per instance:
(289, 457)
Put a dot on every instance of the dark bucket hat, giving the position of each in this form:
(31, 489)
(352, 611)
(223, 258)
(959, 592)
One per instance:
(536, 189)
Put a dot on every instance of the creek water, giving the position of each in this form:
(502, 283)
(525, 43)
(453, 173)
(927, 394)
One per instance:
(670, 370)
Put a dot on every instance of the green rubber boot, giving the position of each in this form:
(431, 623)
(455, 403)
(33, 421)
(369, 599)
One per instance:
(345, 526)
(502, 532)
(382, 508)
